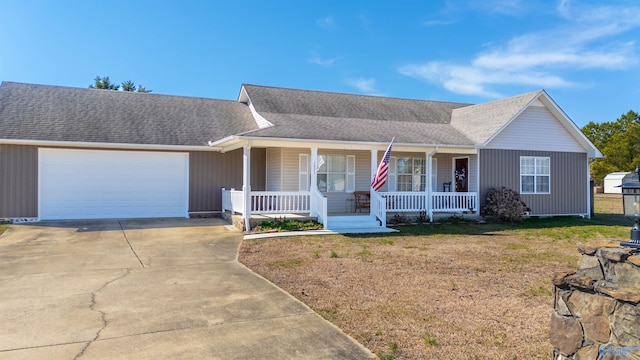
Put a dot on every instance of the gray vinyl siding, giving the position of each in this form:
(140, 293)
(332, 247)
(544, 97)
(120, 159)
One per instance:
(445, 169)
(568, 180)
(290, 169)
(209, 172)
(18, 181)
(363, 169)
(274, 169)
(258, 169)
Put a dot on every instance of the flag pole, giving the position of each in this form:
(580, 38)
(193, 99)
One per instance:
(380, 178)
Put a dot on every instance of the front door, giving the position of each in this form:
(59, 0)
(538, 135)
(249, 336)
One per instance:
(461, 174)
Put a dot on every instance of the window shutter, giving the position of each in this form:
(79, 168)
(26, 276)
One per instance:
(351, 173)
(303, 165)
(392, 179)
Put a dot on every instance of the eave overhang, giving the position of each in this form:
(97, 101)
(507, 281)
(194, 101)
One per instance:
(234, 142)
(101, 145)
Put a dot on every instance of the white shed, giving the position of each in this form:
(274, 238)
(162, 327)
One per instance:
(615, 179)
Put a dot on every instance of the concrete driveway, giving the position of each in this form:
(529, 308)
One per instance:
(149, 289)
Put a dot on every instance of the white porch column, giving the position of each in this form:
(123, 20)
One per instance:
(314, 181)
(246, 185)
(428, 185)
(429, 192)
(374, 169)
(374, 163)
(477, 209)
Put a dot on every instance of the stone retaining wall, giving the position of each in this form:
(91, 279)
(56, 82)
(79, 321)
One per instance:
(597, 316)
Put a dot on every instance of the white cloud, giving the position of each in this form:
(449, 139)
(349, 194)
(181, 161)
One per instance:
(521, 57)
(365, 85)
(477, 81)
(315, 58)
(587, 40)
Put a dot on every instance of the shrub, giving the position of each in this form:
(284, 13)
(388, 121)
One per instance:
(504, 205)
(284, 224)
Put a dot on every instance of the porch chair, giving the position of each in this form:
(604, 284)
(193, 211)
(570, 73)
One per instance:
(446, 187)
(362, 200)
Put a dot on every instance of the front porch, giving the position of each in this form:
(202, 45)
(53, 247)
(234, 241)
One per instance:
(321, 181)
(382, 206)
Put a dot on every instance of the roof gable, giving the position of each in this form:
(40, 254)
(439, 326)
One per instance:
(483, 121)
(535, 128)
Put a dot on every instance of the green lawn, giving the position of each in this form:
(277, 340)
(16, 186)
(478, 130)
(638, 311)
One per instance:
(453, 290)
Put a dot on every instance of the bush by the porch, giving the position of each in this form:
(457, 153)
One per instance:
(504, 205)
(284, 224)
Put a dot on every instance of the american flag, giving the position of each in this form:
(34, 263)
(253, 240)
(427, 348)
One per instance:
(383, 169)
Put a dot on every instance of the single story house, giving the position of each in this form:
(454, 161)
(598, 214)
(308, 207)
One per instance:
(76, 153)
(613, 181)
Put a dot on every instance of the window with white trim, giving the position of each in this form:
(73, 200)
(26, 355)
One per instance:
(410, 174)
(336, 173)
(535, 175)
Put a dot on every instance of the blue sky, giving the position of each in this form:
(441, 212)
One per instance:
(583, 53)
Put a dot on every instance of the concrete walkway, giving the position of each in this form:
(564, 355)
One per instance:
(149, 289)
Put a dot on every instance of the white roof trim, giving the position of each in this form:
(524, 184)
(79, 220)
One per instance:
(84, 144)
(259, 119)
(234, 142)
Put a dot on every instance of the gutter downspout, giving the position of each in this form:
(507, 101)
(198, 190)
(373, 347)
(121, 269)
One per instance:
(589, 189)
(428, 201)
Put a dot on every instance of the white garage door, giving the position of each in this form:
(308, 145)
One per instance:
(101, 184)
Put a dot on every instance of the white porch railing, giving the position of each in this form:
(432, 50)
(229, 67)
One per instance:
(232, 201)
(454, 201)
(321, 208)
(440, 201)
(280, 202)
(226, 200)
(268, 202)
(379, 207)
(405, 201)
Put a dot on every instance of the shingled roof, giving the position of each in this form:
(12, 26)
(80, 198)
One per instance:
(64, 114)
(305, 114)
(348, 106)
(55, 113)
